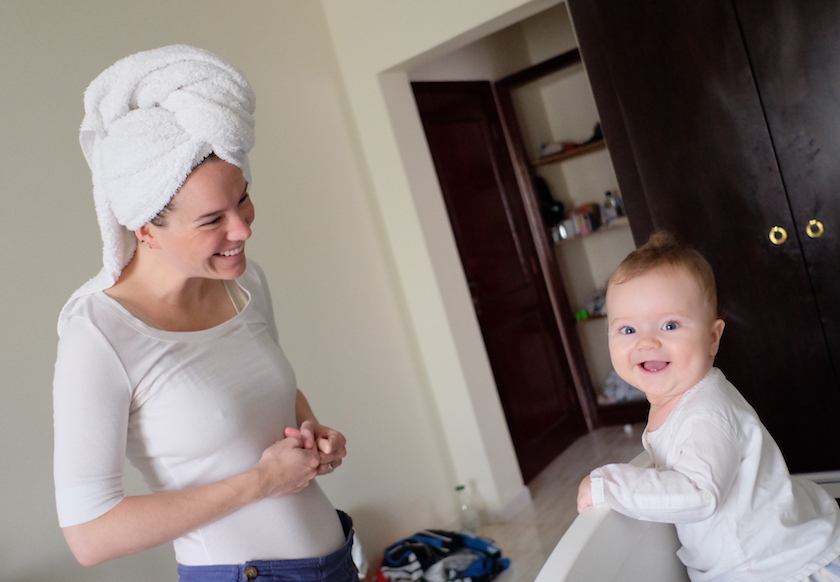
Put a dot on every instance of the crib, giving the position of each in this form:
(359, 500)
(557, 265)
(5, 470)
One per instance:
(604, 545)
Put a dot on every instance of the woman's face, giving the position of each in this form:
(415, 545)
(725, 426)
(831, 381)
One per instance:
(210, 220)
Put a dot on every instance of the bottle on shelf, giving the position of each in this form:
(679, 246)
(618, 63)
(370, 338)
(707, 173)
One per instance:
(617, 203)
(611, 208)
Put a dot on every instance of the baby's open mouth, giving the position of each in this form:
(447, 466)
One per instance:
(654, 366)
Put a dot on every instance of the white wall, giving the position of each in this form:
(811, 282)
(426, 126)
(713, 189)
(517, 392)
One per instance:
(346, 318)
(376, 57)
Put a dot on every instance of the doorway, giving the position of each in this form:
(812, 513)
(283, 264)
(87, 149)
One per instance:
(551, 378)
(499, 256)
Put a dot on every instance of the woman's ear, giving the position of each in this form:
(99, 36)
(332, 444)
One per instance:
(144, 235)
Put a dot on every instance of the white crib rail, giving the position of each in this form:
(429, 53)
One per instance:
(604, 545)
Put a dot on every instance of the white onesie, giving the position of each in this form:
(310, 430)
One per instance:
(720, 477)
(186, 408)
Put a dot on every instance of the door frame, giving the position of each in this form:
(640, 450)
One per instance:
(565, 320)
(405, 194)
(446, 108)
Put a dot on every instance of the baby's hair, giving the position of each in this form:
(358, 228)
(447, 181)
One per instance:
(663, 250)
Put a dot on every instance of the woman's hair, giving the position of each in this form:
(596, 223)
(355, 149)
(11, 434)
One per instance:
(160, 219)
(664, 250)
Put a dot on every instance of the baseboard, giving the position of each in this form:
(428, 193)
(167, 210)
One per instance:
(519, 502)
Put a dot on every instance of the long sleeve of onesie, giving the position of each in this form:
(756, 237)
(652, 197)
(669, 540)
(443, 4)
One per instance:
(685, 486)
(720, 478)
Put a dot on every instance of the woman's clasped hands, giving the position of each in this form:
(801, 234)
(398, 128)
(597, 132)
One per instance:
(288, 465)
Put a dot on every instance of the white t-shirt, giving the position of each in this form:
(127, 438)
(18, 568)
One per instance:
(186, 408)
(720, 477)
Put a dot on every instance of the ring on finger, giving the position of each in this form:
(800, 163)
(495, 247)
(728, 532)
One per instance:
(330, 467)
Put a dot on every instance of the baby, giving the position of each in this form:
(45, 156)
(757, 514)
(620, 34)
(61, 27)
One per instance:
(717, 473)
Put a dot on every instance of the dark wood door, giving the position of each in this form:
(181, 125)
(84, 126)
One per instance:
(793, 51)
(499, 258)
(693, 151)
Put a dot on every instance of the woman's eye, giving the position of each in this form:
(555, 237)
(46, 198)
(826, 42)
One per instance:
(214, 221)
(670, 326)
(626, 330)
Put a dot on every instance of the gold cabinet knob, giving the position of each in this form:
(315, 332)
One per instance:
(778, 235)
(815, 228)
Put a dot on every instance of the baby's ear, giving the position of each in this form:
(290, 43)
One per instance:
(717, 332)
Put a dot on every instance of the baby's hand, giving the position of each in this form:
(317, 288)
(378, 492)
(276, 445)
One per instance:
(584, 498)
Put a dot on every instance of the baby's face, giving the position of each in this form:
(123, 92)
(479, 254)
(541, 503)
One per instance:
(662, 337)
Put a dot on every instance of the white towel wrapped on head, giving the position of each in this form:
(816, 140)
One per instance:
(150, 119)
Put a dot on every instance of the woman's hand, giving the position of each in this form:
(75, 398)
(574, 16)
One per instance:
(287, 466)
(584, 498)
(328, 443)
(140, 522)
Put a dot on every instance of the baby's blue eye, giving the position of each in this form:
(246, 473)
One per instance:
(670, 326)
(626, 330)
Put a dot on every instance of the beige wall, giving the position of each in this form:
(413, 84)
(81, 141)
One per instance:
(369, 296)
(376, 57)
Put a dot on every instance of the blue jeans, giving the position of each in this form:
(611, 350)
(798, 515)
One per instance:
(335, 567)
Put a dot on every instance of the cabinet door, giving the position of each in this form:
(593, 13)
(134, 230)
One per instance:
(693, 154)
(499, 257)
(793, 51)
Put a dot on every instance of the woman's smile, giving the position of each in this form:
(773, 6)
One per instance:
(232, 252)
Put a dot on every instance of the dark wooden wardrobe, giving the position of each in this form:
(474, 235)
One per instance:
(722, 118)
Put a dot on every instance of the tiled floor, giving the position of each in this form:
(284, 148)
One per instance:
(530, 536)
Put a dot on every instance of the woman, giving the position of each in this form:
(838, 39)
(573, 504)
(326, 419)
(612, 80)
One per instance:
(170, 355)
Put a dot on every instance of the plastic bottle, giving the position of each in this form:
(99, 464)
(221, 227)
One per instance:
(619, 203)
(470, 517)
(609, 209)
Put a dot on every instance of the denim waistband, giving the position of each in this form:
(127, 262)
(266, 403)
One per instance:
(335, 567)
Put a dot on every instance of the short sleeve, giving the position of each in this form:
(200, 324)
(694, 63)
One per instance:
(91, 403)
(256, 284)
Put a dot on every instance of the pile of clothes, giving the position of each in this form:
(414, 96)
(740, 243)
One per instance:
(442, 556)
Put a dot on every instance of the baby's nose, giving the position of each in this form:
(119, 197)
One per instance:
(648, 342)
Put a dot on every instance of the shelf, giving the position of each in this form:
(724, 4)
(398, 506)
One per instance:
(618, 223)
(573, 153)
(591, 318)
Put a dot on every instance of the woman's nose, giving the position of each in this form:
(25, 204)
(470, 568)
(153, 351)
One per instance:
(240, 228)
